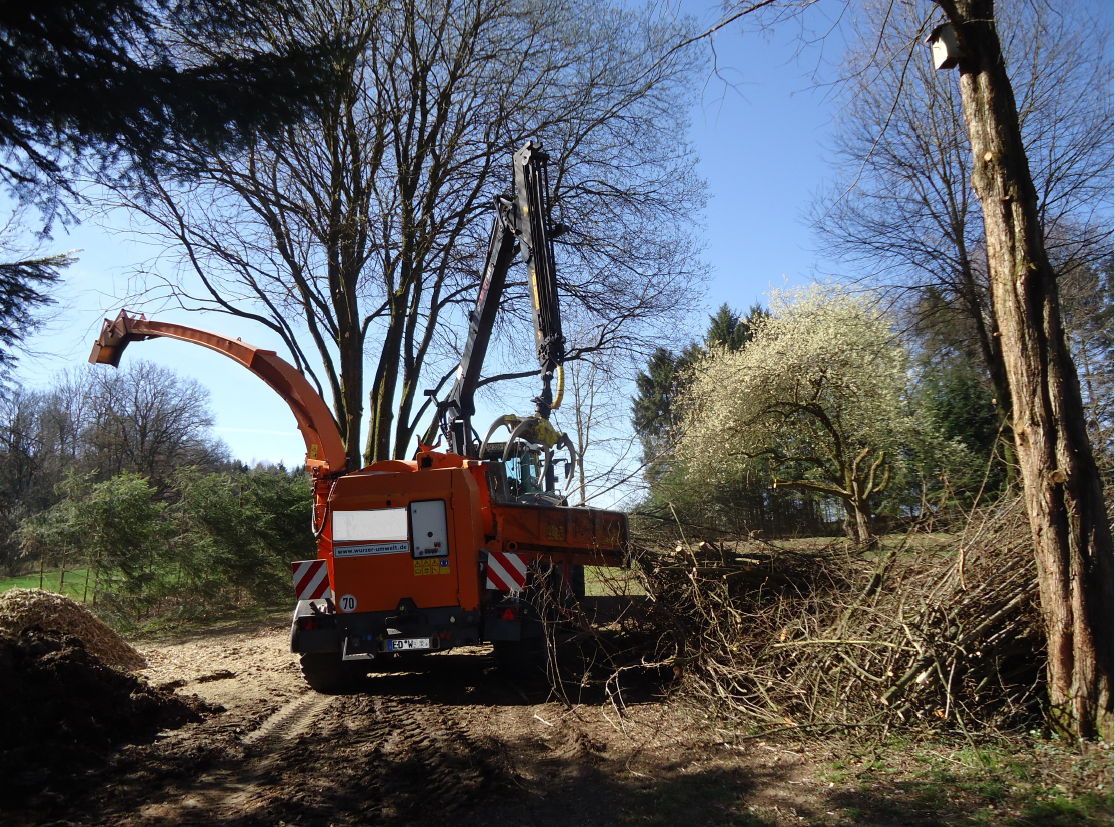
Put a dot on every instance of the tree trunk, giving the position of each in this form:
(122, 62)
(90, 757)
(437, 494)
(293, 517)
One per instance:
(404, 429)
(1064, 494)
(856, 525)
(992, 351)
(382, 396)
(351, 351)
(346, 244)
(863, 528)
(413, 360)
(858, 489)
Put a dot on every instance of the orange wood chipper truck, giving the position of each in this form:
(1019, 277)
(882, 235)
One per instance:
(452, 548)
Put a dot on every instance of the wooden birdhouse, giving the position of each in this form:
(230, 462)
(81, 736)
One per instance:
(946, 51)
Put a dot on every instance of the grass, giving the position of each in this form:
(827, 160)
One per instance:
(914, 541)
(74, 585)
(169, 626)
(601, 582)
(1022, 781)
(697, 798)
(926, 779)
(178, 620)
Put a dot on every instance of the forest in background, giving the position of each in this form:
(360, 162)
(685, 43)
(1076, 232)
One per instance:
(118, 474)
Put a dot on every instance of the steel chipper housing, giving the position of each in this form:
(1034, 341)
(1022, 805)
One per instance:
(442, 550)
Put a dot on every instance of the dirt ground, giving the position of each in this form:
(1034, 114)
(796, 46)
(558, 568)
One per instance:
(456, 743)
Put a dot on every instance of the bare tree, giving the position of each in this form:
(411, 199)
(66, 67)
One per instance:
(66, 414)
(1064, 491)
(1089, 321)
(147, 420)
(359, 238)
(902, 212)
(596, 416)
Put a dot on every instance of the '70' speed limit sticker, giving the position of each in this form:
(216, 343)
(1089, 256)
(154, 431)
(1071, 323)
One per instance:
(348, 603)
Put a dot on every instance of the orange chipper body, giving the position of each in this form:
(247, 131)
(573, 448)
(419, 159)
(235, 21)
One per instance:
(419, 555)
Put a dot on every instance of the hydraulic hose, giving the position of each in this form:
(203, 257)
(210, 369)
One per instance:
(317, 529)
(560, 388)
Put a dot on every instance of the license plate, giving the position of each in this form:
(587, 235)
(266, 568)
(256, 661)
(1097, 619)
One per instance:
(408, 644)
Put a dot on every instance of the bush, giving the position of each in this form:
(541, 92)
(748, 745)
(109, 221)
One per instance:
(217, 541)
(236, 535)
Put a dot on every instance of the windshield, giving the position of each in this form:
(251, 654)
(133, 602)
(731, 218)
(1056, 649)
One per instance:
(523, 473)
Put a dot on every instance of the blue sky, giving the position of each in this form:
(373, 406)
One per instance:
(761, 146)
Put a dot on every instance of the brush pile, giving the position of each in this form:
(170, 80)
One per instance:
(931, 631)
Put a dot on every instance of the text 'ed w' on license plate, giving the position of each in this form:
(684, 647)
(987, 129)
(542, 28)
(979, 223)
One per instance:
(408, 644)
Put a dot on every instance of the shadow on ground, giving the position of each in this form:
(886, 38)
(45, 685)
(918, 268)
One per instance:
(455, 743)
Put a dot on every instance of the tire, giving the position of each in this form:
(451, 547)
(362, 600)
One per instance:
(577, 581)
(527, 658)
(326, 673)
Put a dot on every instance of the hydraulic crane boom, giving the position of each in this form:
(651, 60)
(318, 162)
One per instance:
(522, 222)
(536, 246)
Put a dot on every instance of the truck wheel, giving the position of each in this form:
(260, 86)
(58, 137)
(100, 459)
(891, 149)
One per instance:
(527, 658)
(326, 673)
(577, 581)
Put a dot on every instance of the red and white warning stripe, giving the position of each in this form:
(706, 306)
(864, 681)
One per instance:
(311, 579)
(506, 572)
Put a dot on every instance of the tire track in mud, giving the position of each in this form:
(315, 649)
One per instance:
(434, 764)
(294, 718)
(392, 759)
(345, 760)
(243, 781)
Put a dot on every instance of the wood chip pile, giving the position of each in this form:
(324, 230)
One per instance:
(62, 708)
(21, 609)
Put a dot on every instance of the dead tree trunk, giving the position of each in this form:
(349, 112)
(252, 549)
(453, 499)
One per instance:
(1064, 493)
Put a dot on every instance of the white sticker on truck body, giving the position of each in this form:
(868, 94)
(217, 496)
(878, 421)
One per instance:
(378, 525)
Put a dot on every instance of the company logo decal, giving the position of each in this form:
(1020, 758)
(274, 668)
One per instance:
(370, 548)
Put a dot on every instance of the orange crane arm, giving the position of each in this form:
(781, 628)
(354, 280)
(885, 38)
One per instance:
(325, 453)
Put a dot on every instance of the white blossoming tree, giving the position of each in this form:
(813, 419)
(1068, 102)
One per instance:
(820, 393)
